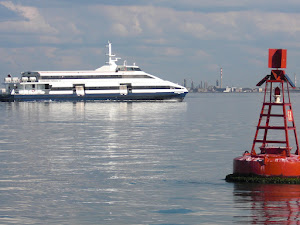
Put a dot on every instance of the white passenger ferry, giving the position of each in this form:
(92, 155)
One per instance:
(109, 82)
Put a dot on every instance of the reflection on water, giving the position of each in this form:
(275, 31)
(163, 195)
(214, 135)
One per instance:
(268, 203)
(132, 163)
(92, 109)
(79, 163)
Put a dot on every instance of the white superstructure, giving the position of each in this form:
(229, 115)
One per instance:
(109, 82)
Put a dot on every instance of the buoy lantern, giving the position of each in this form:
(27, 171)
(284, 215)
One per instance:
(277, 95)
(270, 159)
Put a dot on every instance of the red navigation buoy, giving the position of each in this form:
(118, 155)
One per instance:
(276, 123)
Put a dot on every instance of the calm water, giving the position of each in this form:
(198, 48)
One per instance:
(135, 163)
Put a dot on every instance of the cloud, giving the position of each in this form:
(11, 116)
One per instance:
(288, 23)
(15, 60)
(33, 21)
(159, 22)
(178, 36)
(126, 21)
(42, 27)
(162, 51)
(202, 54)
(156, 41)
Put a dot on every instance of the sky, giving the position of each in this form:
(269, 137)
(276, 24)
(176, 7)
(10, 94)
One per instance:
(172, 39)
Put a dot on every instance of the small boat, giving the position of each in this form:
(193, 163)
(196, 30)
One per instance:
(109, 82)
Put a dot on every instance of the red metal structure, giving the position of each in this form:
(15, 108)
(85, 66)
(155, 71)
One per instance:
(275, 123)
(277, 58)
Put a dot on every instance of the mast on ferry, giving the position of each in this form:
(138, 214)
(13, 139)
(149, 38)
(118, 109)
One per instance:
(111, 61)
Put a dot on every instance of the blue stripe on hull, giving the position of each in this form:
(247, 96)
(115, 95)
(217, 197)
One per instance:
(93, 97)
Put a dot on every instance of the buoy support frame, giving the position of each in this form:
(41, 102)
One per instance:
(276, 77)
(275, 159)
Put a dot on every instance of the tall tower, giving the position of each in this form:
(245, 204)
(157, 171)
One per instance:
(221, 74)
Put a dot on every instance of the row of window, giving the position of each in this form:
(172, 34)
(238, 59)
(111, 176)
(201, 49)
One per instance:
(46, 86)
(115, 88)
(126, 68)
(94, 77)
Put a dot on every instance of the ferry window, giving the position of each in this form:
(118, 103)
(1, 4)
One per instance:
(33, 86)
(47, 86)
(98, 76)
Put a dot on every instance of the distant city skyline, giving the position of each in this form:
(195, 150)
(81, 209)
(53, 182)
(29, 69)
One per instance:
(172, 39)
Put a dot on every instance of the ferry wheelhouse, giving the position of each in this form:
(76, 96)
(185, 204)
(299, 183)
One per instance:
(109, 82)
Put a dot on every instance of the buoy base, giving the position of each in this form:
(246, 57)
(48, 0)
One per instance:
(252, 178)
(267, 165)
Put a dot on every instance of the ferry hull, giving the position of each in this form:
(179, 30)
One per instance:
(6, 98)
(95, 97)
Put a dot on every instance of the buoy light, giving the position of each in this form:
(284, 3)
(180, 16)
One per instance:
(277, 95)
